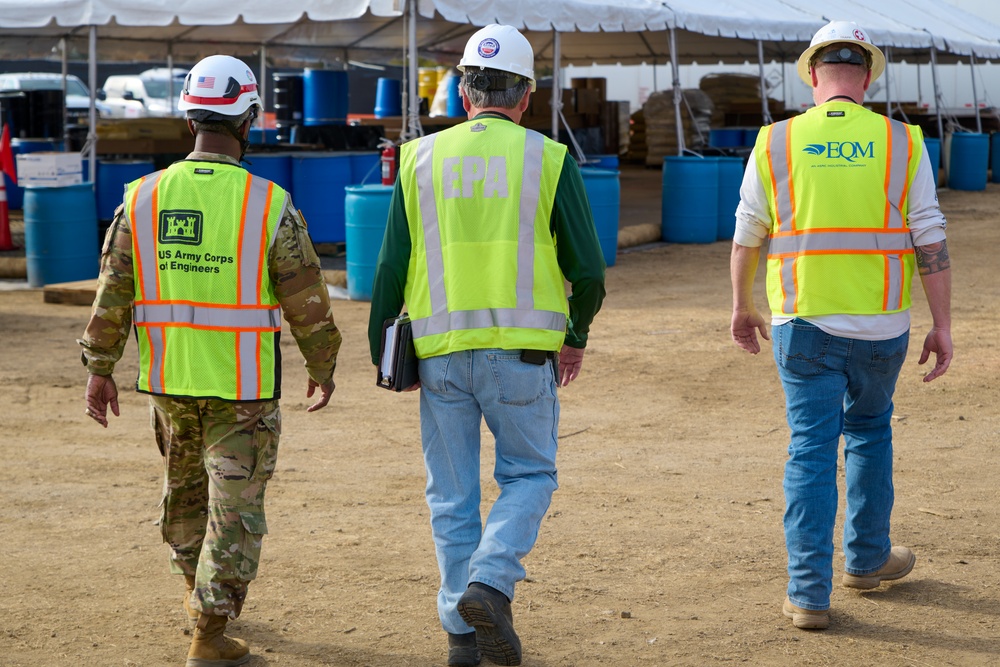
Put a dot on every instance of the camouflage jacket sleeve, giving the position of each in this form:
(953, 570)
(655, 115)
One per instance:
(301, 291)
(111, 318)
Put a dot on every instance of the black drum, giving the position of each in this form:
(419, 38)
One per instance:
(14, 113)
(288, 98)
(46, 110)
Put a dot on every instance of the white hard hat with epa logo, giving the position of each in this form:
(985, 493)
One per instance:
(835, 32)
(500, 47)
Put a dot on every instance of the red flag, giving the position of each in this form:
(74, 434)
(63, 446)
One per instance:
(7, 165)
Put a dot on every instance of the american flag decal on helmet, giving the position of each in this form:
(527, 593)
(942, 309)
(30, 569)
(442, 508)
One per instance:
(205, 82)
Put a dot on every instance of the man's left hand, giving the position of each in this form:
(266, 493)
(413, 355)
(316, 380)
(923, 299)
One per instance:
(570, 363)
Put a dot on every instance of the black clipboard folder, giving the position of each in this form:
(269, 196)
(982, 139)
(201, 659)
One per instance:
(397, 364)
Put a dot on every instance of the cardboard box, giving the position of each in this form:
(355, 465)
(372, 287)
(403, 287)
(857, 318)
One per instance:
(541, 102)
(49, 169)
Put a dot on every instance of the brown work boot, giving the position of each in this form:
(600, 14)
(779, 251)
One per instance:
(901, 561)
(806, 619)
(211, 648)
(192, 614)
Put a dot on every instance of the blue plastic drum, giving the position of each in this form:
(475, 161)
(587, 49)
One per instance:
(324, 96)
(690, 208)
(275, 167)
(970, 158)
(604, 195)
(388, 98)
(366, 209)
(318, 181)
(112, 177)
(60, 233)
(730, 180)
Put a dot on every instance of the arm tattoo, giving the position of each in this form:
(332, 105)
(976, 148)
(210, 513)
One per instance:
(932, 258)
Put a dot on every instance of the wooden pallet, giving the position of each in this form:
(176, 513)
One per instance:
(78, 293)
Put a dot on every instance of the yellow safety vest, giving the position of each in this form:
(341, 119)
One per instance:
(837, 179)
(483, 271)
(206, 317)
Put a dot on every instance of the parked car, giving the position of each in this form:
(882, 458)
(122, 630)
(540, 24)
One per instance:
(77, 100)
(144, 94)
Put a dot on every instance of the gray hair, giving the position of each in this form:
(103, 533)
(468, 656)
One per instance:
(499, 99)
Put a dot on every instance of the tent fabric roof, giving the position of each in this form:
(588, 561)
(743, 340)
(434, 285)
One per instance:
(626, 31)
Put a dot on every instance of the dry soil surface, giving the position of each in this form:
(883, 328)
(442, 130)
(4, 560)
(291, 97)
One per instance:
(663, 545)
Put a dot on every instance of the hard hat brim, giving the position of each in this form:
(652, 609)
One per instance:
(878, 58)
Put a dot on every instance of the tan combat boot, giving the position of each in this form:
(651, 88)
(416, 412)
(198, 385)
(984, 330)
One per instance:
(211, 648)
(192, 615)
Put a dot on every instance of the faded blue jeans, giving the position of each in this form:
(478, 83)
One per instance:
(519, 403)
(835, 386)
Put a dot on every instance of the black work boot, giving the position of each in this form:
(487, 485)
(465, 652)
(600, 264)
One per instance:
(462, 650)
(488, 611)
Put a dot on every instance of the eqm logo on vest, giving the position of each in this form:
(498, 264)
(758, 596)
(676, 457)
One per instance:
(848, 151)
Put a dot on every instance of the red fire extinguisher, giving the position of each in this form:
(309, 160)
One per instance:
(390, 163)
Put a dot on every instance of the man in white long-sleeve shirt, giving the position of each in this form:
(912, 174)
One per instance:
(847, 201)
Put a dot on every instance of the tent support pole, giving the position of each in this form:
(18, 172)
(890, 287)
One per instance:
(92, 118)
(937, 95)
(765, 113)
(65, 112)
(556, 88)
(888, 99)
(413, 129)
(975, 98)
(678, 96)
(261, 84)
(170, 76)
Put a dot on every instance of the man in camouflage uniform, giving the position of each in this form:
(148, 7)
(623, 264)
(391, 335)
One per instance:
(219, 449)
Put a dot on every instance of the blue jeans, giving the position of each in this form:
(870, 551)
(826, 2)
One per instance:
(836, 386)
(519, 403)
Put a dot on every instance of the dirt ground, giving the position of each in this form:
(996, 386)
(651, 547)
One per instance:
(663, 545)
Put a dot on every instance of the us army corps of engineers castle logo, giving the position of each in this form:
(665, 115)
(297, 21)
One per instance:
(180, 227)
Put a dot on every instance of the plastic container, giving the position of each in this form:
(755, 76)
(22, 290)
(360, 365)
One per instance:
(995, 157)
(726, 137)
(318, 182)
(112, 177)
(60, 233)
(970, 156)
(366, 209)
(275, 167)
(933, 148)
(455, 109)
(690, 207)
(604, 195)
(388, 98)
(730, 180)
(324, 96)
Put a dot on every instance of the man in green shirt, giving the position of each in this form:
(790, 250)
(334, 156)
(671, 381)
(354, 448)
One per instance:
(487, 223)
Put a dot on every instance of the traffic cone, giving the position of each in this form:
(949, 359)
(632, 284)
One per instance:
(5, 241)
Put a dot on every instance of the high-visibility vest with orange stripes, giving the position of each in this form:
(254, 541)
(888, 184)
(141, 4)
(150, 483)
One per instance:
(837, 179)
(206, 317)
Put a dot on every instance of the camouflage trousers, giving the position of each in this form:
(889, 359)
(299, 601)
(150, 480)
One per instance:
(218, 456)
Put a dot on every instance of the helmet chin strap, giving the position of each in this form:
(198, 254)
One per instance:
(235, 131)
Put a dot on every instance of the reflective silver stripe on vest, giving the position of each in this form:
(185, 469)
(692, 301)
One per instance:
(862, 240)
(788, 285)
(210, 317)
(899, 171)
(486, 318)
(144, 228)
(156, 349)
(778, 149)
(429, 219)
(894, 288)
(254, 224)
(249, 388)
(531, 180)
(442, 321)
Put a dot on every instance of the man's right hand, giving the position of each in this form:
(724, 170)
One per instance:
(325, 392)
(744, 328)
